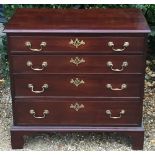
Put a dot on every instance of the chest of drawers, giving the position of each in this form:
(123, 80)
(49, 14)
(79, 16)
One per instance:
(77, 70)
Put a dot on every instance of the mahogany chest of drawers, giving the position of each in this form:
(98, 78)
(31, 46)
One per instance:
(77, 70)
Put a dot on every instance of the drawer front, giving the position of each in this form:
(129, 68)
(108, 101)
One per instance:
(44, 44)
(79, 85)
(78, 113)
(77, 64)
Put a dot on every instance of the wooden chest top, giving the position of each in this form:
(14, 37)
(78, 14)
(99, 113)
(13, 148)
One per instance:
(75, 21)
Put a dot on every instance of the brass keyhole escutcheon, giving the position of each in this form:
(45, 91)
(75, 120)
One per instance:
(76, 82)
(76, 43)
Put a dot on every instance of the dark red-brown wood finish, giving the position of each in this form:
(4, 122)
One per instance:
(96, 64)
(77, 70)
(90, 113)
(77, 21)
(91, 85)
(60, 44)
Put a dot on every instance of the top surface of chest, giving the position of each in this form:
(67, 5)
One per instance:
(77, 21)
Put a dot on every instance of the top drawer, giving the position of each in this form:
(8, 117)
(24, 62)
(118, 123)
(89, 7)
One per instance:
(51, 44)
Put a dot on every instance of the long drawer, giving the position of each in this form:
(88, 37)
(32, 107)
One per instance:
(93, 85)
(106, 113)
(26, 64)
(44, 44)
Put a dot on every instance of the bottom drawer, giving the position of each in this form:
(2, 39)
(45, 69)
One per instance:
(105, 113)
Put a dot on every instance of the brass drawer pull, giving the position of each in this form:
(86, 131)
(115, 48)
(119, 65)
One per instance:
(29, 45)
(76, 82)
(124, 64)
(76, 106)
(76, 42)
(45, 86)
(125, 45)
(45, 112)
(122, 112)
(30, 64)
(77, 61)
(123, 86)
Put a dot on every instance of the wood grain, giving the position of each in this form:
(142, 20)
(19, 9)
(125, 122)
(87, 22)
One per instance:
(75, 21)
(93, 113)
(94, 86)
(93, 64)
(96, 27)
(92, 44)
